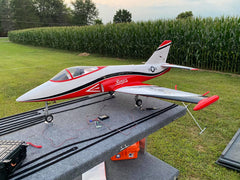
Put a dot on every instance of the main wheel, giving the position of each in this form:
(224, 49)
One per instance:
(112, 94)
(49, 118)
(139, 102)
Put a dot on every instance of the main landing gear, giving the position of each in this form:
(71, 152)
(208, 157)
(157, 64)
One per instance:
(48, 117)
(112, 94)
(138, 102)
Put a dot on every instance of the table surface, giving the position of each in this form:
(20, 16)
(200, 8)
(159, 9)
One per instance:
(145, 166)
(73, 126)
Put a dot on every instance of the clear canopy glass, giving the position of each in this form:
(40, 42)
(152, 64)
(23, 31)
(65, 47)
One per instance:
(73, 72)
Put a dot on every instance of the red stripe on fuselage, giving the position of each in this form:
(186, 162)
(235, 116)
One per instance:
(109, 84)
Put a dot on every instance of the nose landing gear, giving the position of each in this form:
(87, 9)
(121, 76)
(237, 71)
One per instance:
(48, 117)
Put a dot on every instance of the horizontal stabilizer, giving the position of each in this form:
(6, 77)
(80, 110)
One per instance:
(178, 66)
(206, 102)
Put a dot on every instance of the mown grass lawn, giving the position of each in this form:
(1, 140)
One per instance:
(179, 144)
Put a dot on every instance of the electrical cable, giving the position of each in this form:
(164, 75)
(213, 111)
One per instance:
(83, 105)
(109, 128)
(19, 116)
(14, 124)
(22, 126)
(60, 144)
(50, 159)
(75, 101)
(27, 119)
(58, 157)
(33, 145)
(98, 141)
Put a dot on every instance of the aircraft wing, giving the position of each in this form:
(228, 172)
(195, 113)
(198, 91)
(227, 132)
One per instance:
(171, 94)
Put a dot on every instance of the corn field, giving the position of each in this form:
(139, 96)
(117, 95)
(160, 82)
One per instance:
(199, 42)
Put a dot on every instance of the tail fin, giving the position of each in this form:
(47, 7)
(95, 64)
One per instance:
(160, 55)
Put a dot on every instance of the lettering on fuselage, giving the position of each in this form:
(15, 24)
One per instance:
(120, 82)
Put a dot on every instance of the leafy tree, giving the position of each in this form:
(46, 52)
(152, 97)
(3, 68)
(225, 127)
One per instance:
(1, 30)
(5, 17)
(51, 12)
(24, 14)
(98, 22)
(69, 16)
(184, 15)
(84, 12)
(122, 16)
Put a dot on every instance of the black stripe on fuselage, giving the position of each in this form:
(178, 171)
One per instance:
(98, 80)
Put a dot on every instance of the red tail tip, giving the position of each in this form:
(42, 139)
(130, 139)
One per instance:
(205, 102)
(165, 42)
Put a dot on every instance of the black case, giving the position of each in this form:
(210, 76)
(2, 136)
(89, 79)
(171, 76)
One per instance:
(12, 153)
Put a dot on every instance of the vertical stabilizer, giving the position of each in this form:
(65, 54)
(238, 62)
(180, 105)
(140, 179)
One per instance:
(160, 55)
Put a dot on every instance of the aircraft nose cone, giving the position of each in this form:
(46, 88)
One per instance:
(36, 93)
(21, 99)
(26, 97)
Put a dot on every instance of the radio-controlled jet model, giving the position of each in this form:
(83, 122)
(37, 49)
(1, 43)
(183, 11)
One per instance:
(84, 80)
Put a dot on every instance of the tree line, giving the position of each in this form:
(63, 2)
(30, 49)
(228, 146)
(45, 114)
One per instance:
(22, 14)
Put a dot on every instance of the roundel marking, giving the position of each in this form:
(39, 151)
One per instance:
(152, 68)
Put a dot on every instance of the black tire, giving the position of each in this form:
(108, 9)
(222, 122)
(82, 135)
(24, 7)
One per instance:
(49, 118)
(139, 102)
(112, 94)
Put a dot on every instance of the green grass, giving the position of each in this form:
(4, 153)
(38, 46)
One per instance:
(24, 67)
(179, 144)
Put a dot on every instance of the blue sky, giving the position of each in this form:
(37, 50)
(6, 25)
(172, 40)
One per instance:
(143, 10)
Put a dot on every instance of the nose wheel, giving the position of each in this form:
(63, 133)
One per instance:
(48, 117)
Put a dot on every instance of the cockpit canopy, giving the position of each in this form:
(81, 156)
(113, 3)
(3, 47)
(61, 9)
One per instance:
(73, 72)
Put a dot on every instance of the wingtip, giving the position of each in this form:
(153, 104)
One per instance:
(194, 69)
(206, 102)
